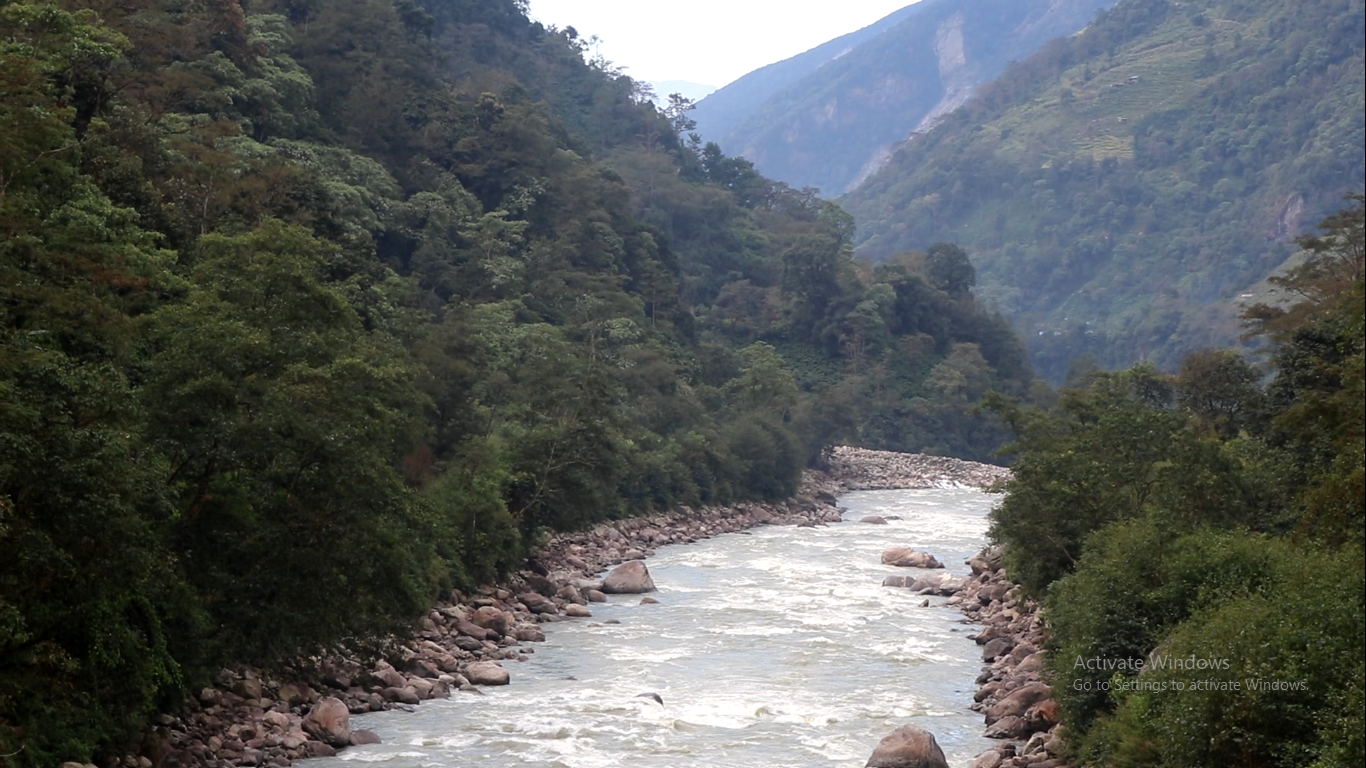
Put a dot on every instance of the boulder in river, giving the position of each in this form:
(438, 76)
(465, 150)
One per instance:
(629, 578)
(908, 747)
(363, 736)
(329, 722)
(487, 673)
(943, 584)
(873, 520)
(905, 557)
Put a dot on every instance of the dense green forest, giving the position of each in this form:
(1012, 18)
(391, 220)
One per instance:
(1123, 189)
(313, 311)
(1206, 517)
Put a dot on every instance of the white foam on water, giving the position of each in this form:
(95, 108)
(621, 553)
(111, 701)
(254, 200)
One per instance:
(776, 648)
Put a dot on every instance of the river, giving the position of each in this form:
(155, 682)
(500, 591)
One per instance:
(776, 647)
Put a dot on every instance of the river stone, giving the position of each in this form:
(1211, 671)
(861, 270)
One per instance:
(487, 673)
(391, 677)
(293, 694)
(541, 585)
(466, 627)
(908, 747)
(576, 611)
(904, 582)
(905, 557)
(363, 736)
(1009, 727)
(629, 578)
(1018, 701)
(1043, 715)
(492, 619)
(471, 644)
(329, 722)
(537, 603)
(996, 648)
(873, 520)
(989, 759)
(248, 688)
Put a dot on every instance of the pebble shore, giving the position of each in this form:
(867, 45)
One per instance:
(253, 717)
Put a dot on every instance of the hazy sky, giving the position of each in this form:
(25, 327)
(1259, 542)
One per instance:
(708, 41)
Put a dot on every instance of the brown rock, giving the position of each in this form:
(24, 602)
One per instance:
(389, 676)
(470, 629)
(487, 673)
(537, 603)
(1018, 701)
(363, 736)
(1043, 715)
(1008, 727)
(329, 722)
(989, 759)
(996, 648)
(873, 520)
(907, 747)
(905, 557)
(491, 618)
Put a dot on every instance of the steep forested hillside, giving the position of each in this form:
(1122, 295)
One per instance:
(1197, 539)
(1122, 189)
(312, 311)
(836, 124)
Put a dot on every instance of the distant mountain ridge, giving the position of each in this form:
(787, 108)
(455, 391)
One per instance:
(719, 113)
(829, 117)
(1124, 190)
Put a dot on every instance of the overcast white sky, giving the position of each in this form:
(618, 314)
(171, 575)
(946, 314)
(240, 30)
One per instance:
(708, 41)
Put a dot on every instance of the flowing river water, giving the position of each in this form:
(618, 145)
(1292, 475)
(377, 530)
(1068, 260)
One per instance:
(776, 647)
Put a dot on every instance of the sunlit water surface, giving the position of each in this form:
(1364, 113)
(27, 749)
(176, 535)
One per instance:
(773, 648)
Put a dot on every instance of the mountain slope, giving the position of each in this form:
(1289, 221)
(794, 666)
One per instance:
(1121, 189)
(719, 113)
(835, 125)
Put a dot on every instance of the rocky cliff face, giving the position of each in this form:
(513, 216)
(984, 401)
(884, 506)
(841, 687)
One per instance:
(833, 124)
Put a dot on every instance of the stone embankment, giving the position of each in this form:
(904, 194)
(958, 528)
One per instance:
(251, 717)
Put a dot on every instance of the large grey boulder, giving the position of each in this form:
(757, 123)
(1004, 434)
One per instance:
(629, 578)
(908, 747)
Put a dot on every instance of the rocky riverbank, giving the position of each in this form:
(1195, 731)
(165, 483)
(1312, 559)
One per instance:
(1018, 705)
(861, 469)
(252, 717)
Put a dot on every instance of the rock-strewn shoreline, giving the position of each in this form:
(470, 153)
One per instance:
(254, 718)
(1017, 703)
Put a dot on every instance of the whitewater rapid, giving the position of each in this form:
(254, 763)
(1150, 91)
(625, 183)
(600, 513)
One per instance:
(776, 647)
